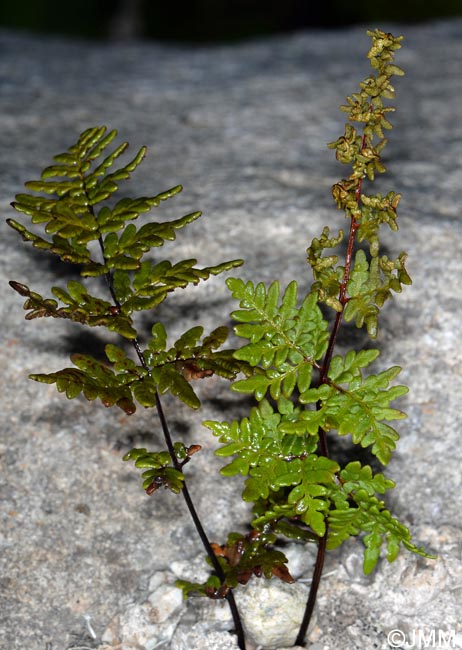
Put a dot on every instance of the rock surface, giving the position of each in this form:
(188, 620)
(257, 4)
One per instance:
(244, 129)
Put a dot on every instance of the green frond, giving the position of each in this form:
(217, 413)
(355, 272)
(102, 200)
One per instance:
(158, 470)
(273, 459)
(79, 306)
(285, 339)
(95, 380)
(65, 210)
(369, 515)
(356, 477)
(151, 283)
(299, 491)
(361, 407)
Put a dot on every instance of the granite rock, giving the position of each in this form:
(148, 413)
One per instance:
(272, 611)
(244, 129)
(199, 637)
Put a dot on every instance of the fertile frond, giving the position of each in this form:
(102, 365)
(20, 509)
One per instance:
(327, 273)
(359, 292)
(370, 285)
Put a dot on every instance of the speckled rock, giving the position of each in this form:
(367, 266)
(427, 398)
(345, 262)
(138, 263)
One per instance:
(272, 611)
(149, 624)
(199, 637)
(244, 129)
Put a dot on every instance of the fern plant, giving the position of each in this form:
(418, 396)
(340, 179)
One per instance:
(73, 219)
(305, 391)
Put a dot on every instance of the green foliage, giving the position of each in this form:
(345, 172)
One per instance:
(159, 472)
(74, 214)
(305, 390)
(285, 339)
(71, 210)
(357, 509)
(360, 408)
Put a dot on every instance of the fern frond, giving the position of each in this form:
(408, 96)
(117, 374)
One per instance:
(76, 187)
(369, 515)
(65, 210)
(371, 283)
(151, 283)
(95, 380)
(274, 460)
(308, 481)
(327, 273)
(360, 408)
(158, 470)
(260, 438)
(80, 307)
(286, 340)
